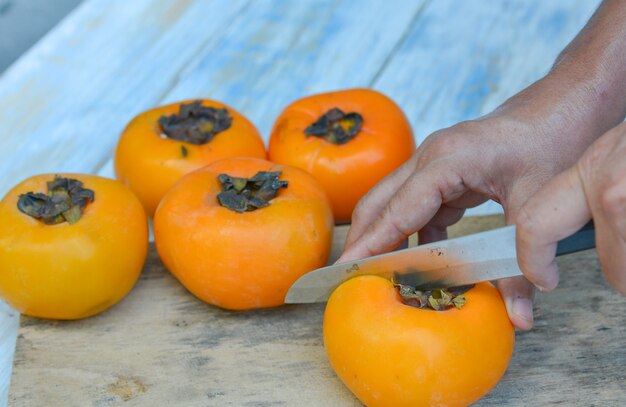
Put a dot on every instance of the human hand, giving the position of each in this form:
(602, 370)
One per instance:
(595, 187)
(509, 155)
(506, 156)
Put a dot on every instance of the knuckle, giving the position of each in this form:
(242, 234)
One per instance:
(356, 217)
(444, 142)
(357, 214)
(601, 159)
(467, 126)
(613, 200)
(396, 222)
(589, 163)
(527, 224)
(451, 141)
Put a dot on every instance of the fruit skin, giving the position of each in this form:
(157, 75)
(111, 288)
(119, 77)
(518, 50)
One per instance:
(391, 354)
(243, 260)
(151, 164)
(346, 171)
(72, 271)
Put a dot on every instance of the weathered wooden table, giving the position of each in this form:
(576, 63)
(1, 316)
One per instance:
(63, 105)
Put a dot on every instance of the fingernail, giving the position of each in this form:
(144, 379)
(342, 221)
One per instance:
(340, 259)
(508, 303)
(523, 308)
(347, 255)
(547, 285)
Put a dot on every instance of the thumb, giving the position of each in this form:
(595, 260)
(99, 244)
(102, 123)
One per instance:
(518, 293)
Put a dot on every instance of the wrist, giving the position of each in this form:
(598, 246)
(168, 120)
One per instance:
(560, 107)
(555, 119)
(584, 94)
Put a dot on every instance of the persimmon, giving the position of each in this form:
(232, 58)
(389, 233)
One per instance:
(389, 352)
(161, 145)
(239, 232)
(70, 245)
(349, 140)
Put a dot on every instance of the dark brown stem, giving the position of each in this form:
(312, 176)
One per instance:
(249, 194)
(336, 127)
(438, 299)
(65, 201)
(195, 124)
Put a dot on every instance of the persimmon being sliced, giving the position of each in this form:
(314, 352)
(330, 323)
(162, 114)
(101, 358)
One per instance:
(349, 140)
(396, 346)
(161, 145)
(239, 232)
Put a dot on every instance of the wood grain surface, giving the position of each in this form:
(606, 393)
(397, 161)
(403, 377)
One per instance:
(162, 347)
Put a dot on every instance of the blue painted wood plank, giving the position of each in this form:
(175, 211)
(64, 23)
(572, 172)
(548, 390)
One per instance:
(24, 22)
(461, 61)
(292, 49)
(63, 105)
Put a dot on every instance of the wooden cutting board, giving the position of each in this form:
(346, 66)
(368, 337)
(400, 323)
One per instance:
(161, 346)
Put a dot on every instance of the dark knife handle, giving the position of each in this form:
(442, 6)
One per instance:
(584, 239)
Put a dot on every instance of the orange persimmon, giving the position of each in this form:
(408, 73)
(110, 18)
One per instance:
(70, 245)
(389, 353)
(161, 145)
(349, 140)
(237, 233)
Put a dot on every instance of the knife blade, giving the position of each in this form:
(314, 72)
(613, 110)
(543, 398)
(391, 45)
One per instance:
(484, 256)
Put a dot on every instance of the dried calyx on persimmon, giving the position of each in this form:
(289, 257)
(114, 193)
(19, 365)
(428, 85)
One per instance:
(65, 201)
(336, 127)
(248, 194)
(438, 299)
(195, 124)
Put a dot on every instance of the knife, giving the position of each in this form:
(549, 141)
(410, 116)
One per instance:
(484, 256)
